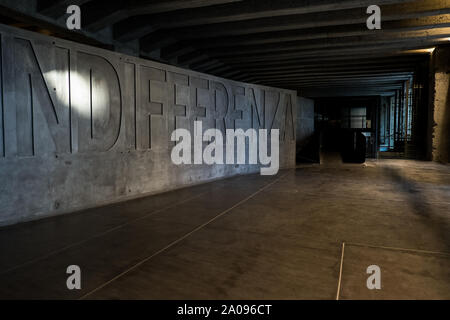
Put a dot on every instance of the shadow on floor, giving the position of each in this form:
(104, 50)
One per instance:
(420, 204)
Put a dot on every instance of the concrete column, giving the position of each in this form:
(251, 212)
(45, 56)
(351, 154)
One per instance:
(441, 105)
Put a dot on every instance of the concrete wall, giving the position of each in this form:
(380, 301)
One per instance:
(81, 126)
(441, 105)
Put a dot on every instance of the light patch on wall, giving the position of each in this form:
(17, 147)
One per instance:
(80, 88)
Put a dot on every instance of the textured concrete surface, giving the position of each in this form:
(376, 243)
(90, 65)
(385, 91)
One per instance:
(441, 105)
(82, 126)
(249, 237)
(405, 274)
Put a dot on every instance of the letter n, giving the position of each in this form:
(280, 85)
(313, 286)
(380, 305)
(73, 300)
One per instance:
(36, 106)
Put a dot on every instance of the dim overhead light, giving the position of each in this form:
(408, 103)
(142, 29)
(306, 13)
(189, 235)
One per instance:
(427, 50)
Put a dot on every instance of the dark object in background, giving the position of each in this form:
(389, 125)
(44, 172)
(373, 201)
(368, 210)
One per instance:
(309, 151)
(353, 147)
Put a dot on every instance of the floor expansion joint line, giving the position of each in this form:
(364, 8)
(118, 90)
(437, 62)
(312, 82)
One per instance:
(99, 234)
(340, 271)
(398, 249)
(182, 238)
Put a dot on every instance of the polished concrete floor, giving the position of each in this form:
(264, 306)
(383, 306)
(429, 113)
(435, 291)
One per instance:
(308, 233)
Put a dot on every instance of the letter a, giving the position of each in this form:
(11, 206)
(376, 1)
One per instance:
(74, 20)
(374, 281)
(74, 280)
(374, 21)
(181, 153)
